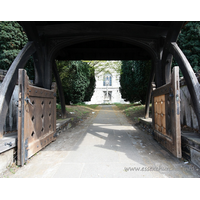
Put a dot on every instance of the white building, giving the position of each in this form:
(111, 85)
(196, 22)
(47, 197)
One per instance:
(107, 86)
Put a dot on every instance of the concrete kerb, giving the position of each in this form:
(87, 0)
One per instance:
(62, 124)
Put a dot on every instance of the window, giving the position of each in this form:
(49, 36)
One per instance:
(107, 80)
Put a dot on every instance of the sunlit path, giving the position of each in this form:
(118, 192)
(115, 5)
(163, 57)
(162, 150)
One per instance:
(105, 146)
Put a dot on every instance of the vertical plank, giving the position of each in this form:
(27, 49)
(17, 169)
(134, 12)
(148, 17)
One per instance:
(19, 119)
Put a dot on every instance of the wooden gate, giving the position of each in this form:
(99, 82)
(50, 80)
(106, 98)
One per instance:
(166, 115)
(36, 118)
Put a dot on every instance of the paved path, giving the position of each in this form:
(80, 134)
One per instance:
(105, 146)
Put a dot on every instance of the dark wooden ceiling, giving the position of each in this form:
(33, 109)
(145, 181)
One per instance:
(104, 47)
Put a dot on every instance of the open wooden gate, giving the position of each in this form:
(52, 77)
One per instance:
(166, 115)
(36, 118)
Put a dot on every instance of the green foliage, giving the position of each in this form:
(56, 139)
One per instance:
(77, 79)
(58, 106)
(79, 85)
(12, 40)
(134, 80)
(189, 42)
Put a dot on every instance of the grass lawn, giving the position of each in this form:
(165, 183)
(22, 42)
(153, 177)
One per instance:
(78, 111)
(133, 111)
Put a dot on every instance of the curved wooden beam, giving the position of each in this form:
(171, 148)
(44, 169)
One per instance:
(60, 90)
(9, 82)
(172, 36)
(38, 56)
(190, 78)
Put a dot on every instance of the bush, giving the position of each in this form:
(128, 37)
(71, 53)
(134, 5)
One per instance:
(77, 79)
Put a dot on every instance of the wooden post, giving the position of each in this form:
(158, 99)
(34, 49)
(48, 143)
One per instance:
(60, 90)
(149, 90)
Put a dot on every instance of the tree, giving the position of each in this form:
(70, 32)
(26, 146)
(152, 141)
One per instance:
(80, 82)
(104, 66)
(91, 87)
(127, 80)
(12, 40)
(77, 79)
(189, 42)
(134, 80)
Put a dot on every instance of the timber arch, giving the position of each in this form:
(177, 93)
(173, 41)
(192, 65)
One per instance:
(154, 37)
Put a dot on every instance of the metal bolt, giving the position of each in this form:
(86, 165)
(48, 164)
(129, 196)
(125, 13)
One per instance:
(9, 144)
